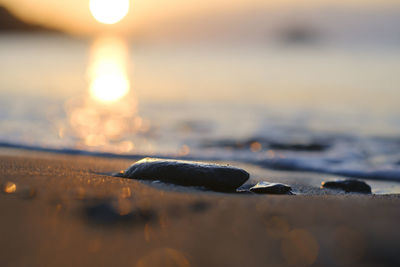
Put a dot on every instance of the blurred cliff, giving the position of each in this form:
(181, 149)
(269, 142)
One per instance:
(11, 23)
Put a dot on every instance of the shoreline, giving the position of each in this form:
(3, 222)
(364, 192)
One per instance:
(386, 180)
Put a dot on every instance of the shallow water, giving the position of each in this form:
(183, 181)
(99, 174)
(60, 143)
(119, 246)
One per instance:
(325, 109)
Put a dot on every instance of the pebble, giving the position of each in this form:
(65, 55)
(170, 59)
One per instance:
(271, 188)
(215, 177)
(348, 185)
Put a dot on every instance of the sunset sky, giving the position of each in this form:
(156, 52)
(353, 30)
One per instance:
(74, 15)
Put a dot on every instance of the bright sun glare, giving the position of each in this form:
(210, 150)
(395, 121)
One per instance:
(109, 11)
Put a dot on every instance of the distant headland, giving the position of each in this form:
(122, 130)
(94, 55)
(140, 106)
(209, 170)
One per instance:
(10, 23)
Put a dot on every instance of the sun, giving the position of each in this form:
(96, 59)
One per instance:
(109, 11)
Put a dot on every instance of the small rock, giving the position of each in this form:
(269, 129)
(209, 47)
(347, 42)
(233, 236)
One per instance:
(350, 185)
(211, 176)
(271, 188)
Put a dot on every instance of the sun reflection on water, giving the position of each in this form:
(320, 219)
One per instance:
(107, 71)
(106, 116)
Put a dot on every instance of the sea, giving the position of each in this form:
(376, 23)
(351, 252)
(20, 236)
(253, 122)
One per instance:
(329, 109)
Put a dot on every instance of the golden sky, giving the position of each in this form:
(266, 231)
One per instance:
(74, 15)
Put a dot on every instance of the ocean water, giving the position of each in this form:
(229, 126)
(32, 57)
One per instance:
(318, 108)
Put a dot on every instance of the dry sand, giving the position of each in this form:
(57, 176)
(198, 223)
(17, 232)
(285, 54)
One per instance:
(60, 210)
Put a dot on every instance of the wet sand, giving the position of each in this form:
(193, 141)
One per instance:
(63, 210)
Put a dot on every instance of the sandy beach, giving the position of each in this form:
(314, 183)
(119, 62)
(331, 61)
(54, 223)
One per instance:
(63, 210)
(199, 133)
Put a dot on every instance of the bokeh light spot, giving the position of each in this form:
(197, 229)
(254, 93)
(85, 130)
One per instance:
(9, 188)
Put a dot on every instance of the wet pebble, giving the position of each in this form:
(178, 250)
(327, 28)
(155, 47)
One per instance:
(211, 176)
(271, 188)
(348, 185)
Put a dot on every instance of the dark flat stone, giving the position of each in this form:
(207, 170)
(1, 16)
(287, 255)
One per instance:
(271, 188)
(350, 185)
(211, 176)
